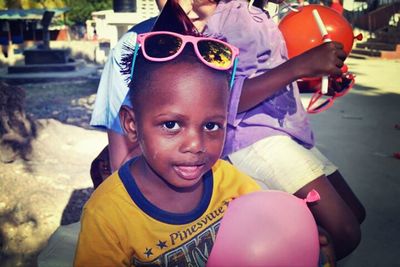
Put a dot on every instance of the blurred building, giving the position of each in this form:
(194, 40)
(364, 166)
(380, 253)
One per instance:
(20, 25)
(109, 25)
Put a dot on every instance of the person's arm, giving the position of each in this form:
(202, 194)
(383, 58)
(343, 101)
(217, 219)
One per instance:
(120, 149)
(326, 59)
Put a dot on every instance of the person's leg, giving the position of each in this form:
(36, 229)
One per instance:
(285, 165)
(348, 195)
(341, 186)
(279, 162)
(334, 215)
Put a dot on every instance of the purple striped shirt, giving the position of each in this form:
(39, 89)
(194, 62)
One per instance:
(262, 48)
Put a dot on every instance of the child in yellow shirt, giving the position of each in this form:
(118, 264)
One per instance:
(164, 207)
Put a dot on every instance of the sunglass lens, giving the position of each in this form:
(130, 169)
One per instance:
(345, 85)
(215, 53)
(321, 107)
(162, 45)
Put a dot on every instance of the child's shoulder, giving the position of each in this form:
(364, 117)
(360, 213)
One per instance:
(228, 177)
(224, 169)
(222, 164)
(110, 189)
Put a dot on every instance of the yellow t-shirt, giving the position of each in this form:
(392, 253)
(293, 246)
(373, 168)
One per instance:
(120, 227)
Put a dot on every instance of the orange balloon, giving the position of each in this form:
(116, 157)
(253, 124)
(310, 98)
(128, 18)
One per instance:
(301, 32)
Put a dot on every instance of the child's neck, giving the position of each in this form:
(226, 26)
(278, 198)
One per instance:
(163, 195)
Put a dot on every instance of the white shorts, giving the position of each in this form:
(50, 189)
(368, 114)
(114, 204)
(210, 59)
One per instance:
(281, 163)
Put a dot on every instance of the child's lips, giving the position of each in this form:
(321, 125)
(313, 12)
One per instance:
(189, 172)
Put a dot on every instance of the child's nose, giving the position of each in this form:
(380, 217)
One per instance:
(194, 142)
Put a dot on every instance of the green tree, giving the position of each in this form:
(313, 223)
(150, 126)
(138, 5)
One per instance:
(26, 4)
(81, 10)
(41, 3)
(8, 4)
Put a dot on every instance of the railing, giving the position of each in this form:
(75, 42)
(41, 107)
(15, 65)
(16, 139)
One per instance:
(374, 19)
(380, 17)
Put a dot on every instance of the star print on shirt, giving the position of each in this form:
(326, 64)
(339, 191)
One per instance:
(162, 244)
(148, 252)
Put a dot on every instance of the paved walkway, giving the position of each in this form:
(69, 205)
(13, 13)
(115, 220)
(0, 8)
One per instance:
(84, 72)
(358, 133)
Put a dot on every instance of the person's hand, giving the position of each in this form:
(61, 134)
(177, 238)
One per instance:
(100, 168)
(325, 59)
(339, 86)
(327, 252)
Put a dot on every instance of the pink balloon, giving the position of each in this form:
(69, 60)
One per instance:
(269, 228)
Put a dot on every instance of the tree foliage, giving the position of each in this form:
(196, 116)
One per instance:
(7, 4)
(81, 9)
(26, 4)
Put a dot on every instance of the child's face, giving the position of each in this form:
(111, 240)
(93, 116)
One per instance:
(180, 124)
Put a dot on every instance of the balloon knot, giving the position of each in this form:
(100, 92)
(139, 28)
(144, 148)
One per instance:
(312, 196)
(359, 37)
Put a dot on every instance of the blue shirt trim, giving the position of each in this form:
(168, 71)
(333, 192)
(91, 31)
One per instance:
(157, 213)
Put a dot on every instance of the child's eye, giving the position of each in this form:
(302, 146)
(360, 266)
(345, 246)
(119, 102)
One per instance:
(171, 125)
(211, 126)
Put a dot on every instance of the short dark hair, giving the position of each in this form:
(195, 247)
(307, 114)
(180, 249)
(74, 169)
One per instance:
(144, 70)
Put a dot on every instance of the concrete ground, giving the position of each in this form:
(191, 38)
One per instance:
(358, 134)
(83, 72)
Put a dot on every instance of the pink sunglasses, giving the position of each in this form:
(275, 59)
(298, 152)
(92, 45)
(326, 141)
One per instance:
(314, 108)
(163, 46)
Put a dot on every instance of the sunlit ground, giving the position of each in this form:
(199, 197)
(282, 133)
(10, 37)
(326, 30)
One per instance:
(382, 76)
(359, 134)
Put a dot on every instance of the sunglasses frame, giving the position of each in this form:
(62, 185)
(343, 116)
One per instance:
(328, 103)
(141, 38)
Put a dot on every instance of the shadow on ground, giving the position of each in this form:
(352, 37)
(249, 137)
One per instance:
(73, 210)
(68, 102)
(360, 136)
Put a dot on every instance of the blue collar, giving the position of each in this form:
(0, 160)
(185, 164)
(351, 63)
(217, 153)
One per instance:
(161, 215)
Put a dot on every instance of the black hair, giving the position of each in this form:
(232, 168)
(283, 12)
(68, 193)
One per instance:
(172, 18)
(144, 71)
(260, 3)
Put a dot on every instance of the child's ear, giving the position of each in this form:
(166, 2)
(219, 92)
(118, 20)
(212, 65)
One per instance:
(128, 122)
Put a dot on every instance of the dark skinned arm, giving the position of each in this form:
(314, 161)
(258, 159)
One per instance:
(325, 59)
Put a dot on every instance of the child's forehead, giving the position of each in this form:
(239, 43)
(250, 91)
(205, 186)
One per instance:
(195, 101)
(187, 80)
(166, 79)
(186, 71)
(177, 80)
